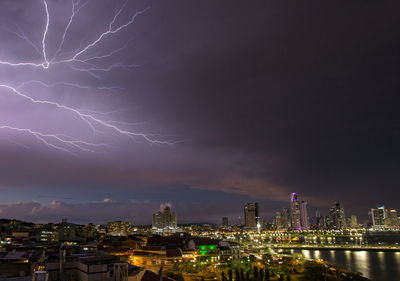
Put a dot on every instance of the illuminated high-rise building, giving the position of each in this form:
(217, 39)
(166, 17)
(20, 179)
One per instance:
(295, 211)
(251, 216)
(319, 220)
(378, 217)
(278, 221)
(337, 217)
(328, 222)
(165, 221)
(392, 221)
(285, 217)
(304, 220)
(353, 221)
(282, 219)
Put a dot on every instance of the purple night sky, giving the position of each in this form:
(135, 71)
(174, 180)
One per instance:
(206, 105)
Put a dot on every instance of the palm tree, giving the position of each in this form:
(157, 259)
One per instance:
(230, 275)
(237, 274)
(223, 278)
(267, 275)
(248, 275)
(255, 273)
(242, 278)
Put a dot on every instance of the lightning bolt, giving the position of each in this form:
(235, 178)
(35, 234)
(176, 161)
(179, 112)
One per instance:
(108, 32)
(48, 140)
(75, 61)
(74, 57)
(46, 63)
(74, 11)
(90, 120)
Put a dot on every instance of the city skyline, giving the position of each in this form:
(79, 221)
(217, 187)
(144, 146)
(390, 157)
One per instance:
(296, 216)
(109, 109)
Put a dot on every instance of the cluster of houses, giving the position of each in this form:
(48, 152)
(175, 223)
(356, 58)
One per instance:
(24, 257)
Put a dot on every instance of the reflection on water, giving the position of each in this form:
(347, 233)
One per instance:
(333, 256)
(377, 266)
(361, 262)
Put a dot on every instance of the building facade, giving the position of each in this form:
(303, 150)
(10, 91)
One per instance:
(378, 216)
(165, 221)
(337, 218)
(304, 220)
(251, 216)
(295, 212)
(119, 228)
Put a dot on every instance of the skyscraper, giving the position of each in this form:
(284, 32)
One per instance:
(251, 216)
(392, 220)
(165, 221)
(304, 221)
(285, 217)
(295, 211)
(378, 217)
(278, 221)
(337, 217)
(353, 221)
(319, 220)
(282, 219)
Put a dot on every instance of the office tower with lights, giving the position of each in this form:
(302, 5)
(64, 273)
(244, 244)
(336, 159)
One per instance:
(304, 220)
(278, 221)
(165, 221)
(295, 212)
(353, 221)
(251, 216)
(337, 219)
(285, 217)
(392, 220)
(319, 220)
(378, 216)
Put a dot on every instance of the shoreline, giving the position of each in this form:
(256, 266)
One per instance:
(369, 249)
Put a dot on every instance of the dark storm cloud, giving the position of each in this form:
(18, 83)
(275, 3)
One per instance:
(269, 97)
(306, 92)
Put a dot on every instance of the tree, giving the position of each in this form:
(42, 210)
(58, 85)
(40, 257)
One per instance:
(237, 274)
(288, 278)
(242, 278)
(261, 275)
(248, 275)
(267, 275)
(230, 275)
(255, 273)
(223, 278)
